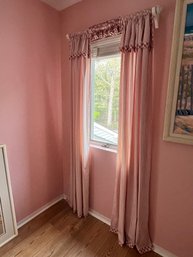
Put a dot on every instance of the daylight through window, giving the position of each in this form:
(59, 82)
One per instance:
(105, 98)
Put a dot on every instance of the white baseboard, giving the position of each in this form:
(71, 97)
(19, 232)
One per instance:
(39, 211)
(163, 252)
(96, 214)
(100, 217)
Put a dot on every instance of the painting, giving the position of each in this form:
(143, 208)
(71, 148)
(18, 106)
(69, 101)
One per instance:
(2, 230)
(179, 109)
(8, 225)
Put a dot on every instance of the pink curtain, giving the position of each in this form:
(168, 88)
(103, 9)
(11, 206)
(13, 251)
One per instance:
(80, 93)
(131, 200)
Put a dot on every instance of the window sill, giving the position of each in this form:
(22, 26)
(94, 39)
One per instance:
(103, 148)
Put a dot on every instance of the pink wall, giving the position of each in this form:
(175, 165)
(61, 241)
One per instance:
(30, 101)
(172, 167)
(102, 181)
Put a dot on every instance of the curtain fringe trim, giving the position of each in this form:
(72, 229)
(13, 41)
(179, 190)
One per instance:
(135, 48)
(145, 249)
(141, 250)
(74, 56)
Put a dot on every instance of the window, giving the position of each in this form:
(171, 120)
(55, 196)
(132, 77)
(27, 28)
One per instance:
(105, 77)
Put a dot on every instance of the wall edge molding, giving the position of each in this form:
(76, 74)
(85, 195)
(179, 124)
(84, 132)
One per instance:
(34, 214)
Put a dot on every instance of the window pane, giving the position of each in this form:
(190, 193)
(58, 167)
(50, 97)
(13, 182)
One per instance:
(105, 99)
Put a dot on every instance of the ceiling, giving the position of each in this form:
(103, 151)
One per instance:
(60, 4)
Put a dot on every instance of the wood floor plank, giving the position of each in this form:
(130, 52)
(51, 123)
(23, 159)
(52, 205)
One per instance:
(79, 238)
(108, 246)
(34, 225)
(31, 244)
(91, 241)
(60, 233)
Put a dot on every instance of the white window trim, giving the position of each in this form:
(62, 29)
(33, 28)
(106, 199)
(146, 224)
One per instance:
(106, 41)
(94, 45)
(103, 144)
(94, 144)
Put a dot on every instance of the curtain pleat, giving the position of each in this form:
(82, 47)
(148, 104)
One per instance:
(106, 29)
(80, 93)
(131, 201)
(130, 216)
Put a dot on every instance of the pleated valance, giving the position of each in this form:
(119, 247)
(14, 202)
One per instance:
(106, 29)
(79, 45)
(136, 32)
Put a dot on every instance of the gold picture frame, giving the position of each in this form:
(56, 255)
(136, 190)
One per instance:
(178, 125)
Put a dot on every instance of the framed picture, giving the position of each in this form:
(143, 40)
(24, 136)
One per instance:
(8, 226)
(179, 107)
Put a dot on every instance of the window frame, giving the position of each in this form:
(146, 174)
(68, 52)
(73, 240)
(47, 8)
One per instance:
(100, 43)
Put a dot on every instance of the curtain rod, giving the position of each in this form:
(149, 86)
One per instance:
(156, 10)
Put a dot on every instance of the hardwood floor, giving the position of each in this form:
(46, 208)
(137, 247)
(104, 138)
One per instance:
(59, 233)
